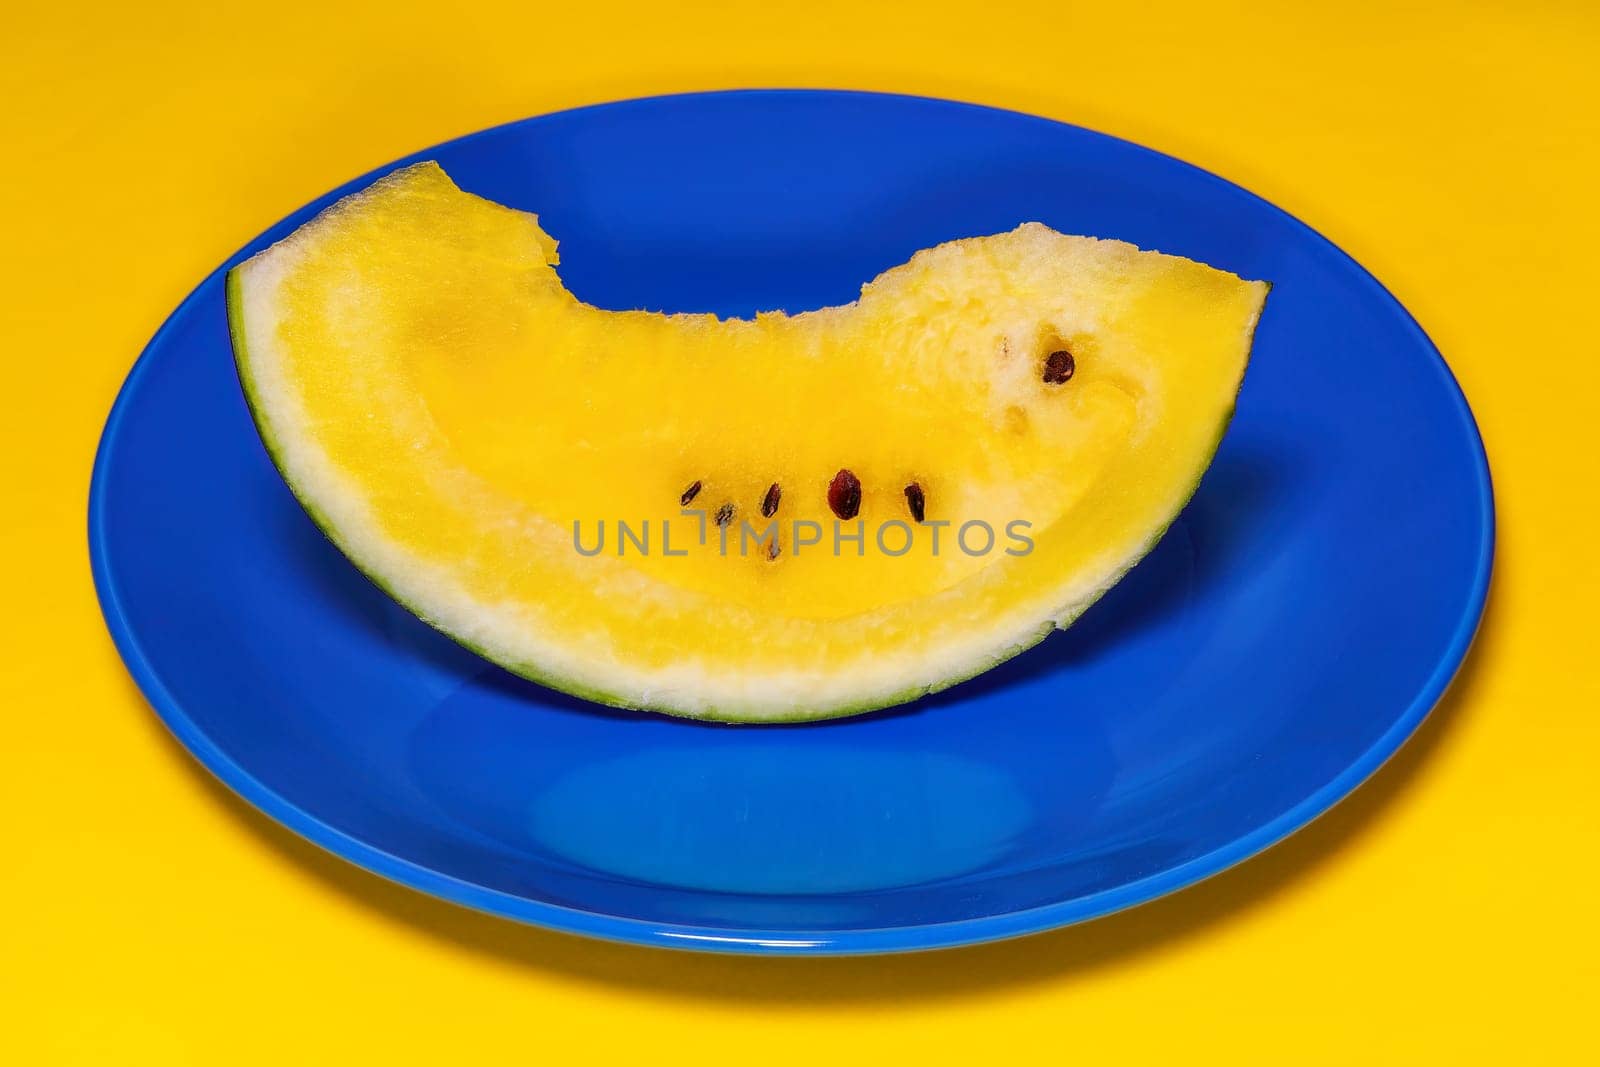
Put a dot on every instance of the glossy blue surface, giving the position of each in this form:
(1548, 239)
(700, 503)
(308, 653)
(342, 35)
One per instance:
(1291, 630)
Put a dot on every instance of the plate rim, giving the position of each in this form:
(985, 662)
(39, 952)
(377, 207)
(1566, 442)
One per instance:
(864, 941)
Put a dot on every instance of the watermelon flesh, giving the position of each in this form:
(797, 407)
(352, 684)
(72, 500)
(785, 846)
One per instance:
(788, 517)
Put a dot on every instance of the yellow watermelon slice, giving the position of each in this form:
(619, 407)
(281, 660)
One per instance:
(790, 517)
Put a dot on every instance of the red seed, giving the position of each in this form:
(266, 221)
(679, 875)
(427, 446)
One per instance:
(769, 503)
(844, 495)
(689, 494)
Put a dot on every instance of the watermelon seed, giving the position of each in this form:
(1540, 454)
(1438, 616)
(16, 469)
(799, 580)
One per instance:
(689, 494)
(769, 503)
(844, 495)
(724, 514)
(773, 549)
(916, 501)
(1058, 367)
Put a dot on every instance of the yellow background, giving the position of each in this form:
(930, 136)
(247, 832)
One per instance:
(1447, 911)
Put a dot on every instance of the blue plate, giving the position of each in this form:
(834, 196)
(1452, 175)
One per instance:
(1291, 630)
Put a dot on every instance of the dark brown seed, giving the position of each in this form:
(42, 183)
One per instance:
(689, 494)
(769, 503)
(724, 514)
(1058, 367)
(916, 501)
(844, 495)
(773, 549)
